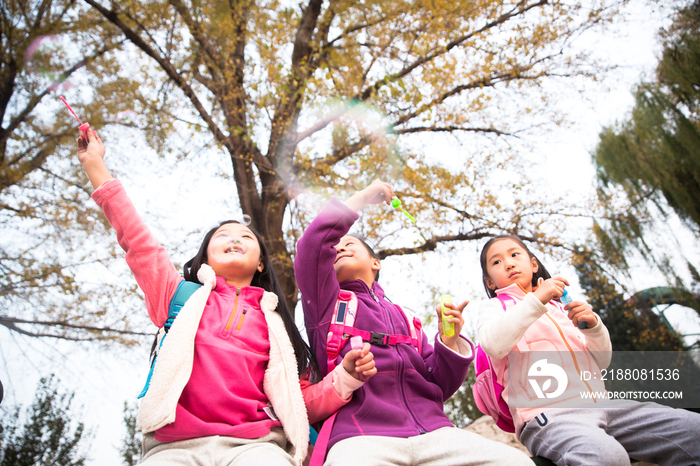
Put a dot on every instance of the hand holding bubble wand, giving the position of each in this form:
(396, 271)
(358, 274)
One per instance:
(396, 204)
(565, 299)
(83, 126)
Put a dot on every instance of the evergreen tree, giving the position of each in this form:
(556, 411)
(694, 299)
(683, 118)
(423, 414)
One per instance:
(460, 407)
(654, 157)
(131, 448)
(47, 436)
(632, 327)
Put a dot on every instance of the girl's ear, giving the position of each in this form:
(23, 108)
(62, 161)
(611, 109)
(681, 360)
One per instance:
(376, 265)
(261, 265)
(489, 283)
(535, 265)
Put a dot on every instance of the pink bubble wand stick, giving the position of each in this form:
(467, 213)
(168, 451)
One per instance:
(83, 126)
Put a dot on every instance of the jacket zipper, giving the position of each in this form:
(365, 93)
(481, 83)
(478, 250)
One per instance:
(233, 312)
(572, 354)
(240, 322)
(420, 429)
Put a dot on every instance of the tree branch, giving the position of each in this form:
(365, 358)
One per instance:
(113, 17)
(34, 101)
(10, 322)
(432, 243)
(516, 11)
(450, 129)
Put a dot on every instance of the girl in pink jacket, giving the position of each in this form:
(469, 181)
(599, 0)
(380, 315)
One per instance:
(523, 320)
(225, 386)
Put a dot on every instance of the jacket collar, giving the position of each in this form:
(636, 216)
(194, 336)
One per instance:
(253, 291)
(359, 286)
(514, 290)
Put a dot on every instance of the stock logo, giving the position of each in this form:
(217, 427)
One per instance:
(542, 368)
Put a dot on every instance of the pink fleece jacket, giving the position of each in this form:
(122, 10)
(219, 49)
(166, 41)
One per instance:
(224, 395)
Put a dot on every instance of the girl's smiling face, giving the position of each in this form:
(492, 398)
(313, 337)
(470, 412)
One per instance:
(354, 262)
(507, 262)
(234, 253)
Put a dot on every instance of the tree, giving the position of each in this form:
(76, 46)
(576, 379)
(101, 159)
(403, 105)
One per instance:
(632, 324)
(654, 157)
(279, 86)
(50, 231)
(48, 436)
(461, 407)
(131, 447)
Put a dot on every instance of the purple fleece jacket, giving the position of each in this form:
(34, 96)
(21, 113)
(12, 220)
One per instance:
(405, 397)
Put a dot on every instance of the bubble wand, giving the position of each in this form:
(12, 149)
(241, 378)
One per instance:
(83, 126)
(396, 204)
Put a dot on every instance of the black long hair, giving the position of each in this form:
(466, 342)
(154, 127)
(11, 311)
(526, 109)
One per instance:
(541, 270)
(267, 280)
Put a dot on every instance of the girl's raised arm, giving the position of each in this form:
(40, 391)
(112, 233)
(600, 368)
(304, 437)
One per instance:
(91, 153)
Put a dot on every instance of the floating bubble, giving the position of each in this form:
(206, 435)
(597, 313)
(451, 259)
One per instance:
(130, 118)
(354, 166)
(39, 56)
(245, 220)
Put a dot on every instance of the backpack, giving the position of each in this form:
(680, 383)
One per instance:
(488, 390)
(184, 290)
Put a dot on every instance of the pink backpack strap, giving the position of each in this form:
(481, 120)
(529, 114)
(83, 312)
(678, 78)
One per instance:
(414, 327)
(318, 456)
(504, 298)
(341, 328)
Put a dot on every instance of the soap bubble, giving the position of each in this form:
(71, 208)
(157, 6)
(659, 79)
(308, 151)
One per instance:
(41, 59)
(349, 122)
(245, 220)
(354, 166)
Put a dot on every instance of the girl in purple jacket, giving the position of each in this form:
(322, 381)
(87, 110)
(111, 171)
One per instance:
(397, 416)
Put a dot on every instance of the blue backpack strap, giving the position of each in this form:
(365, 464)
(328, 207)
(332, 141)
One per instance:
(184, 290)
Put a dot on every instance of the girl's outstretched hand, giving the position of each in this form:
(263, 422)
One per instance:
(455, 317)
(360, 363)
(375, 193)
(91, 153)
(90, 148)
(551, 288)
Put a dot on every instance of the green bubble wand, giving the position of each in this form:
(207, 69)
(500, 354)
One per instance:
(396, 204)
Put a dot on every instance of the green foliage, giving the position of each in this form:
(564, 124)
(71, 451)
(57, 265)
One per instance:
(47, 436)
(653, 158)
(131, 446)
(632, 327)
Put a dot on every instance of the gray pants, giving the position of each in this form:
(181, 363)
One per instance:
(218, 451)
(614, 433)
(448, 446)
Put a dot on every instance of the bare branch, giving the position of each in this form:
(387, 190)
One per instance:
(10, 323)
(432, 243)
(451, 129)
